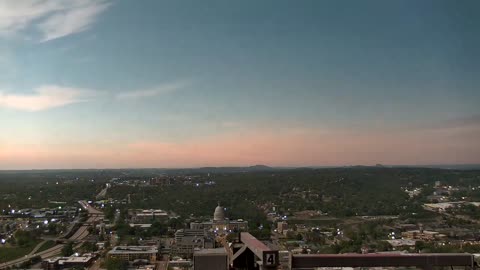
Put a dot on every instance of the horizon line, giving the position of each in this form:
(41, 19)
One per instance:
(250, 166)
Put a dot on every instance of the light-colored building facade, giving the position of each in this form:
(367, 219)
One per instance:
(188, 240)
(211, 259)
(131, 253)
(282, 226)
(149, 216)
(220, 224)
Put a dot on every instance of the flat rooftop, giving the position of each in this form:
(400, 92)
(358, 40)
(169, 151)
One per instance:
(253, 244)
(210, 251)
(133, 249)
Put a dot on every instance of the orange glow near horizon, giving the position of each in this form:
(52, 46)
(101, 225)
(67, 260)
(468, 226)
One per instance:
(289, 148)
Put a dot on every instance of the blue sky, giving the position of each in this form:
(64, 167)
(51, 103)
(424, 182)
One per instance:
(113, 75)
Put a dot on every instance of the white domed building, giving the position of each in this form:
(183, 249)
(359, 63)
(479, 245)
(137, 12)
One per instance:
(220, 223)
(219, 214)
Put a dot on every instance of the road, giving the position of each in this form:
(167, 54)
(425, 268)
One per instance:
(96, 265)
(102, 193)
(37, 247)
(463, 217)
(79, 235)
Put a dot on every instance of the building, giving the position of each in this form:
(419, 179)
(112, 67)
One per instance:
(282, 226)
(284, 259)
(220, 224)
(185, 233)
(58, 263)
(402, 243)
(147, 216)
(211, 259)
(160, 181)
(188, 240)
(131, 253)
(423, 235)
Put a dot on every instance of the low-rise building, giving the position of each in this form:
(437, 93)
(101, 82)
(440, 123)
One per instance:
(58, 263)
(282, 226)
(402, 243)
(423, 235)
(131, 253)
(147, 216)
(188, 240)
(210, 259)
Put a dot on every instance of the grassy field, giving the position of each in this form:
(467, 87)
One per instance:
(46, 245)
(12, 253)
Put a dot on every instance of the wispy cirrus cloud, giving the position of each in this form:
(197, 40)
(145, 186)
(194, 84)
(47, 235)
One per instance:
(44, 98)
(155, 91)
(50, 19)
(50, 96)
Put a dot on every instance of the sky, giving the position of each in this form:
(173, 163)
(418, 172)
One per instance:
(115, 84)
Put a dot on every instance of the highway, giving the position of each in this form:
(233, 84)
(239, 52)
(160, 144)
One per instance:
(79, 235)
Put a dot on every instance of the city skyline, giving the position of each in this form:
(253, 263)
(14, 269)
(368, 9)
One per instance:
(105, 84)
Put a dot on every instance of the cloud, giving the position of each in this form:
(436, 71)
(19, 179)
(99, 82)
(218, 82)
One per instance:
(50, 19)
(158, 90)
(44, 98)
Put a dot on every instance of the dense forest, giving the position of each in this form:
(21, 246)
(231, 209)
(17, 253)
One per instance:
(339, 192)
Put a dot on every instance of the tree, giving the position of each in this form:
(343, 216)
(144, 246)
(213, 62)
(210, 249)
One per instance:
(420, 245)
(157, 229)
(383, 246)
(175, 223)
(232, 237)
(67, 250)
(24, 238)
(299, 237)
(116, 264)
(89, 247)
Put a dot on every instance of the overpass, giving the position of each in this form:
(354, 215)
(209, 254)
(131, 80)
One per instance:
(78, 236)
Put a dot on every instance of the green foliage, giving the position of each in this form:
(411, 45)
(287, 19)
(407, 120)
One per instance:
(157, 229)
(25, 238)
(383, 246)
(340, 192)
(48, 244)
(115, 264)
(109, 212)
(432, 247)
(232, 237)
(175, 223)
(261, 234)
(21, 185)
(12, 253)
(89, 247)
(67, 250)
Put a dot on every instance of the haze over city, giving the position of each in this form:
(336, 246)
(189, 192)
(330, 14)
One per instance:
(112, 84)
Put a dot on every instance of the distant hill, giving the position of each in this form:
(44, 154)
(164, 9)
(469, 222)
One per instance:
(255, 168)
(449, 167)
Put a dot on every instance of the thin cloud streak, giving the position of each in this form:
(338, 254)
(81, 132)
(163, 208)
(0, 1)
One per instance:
(155, 91)
(50, 19)
(52, 96)
(44, 98)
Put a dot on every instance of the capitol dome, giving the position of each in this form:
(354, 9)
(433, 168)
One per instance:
(219, 214)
